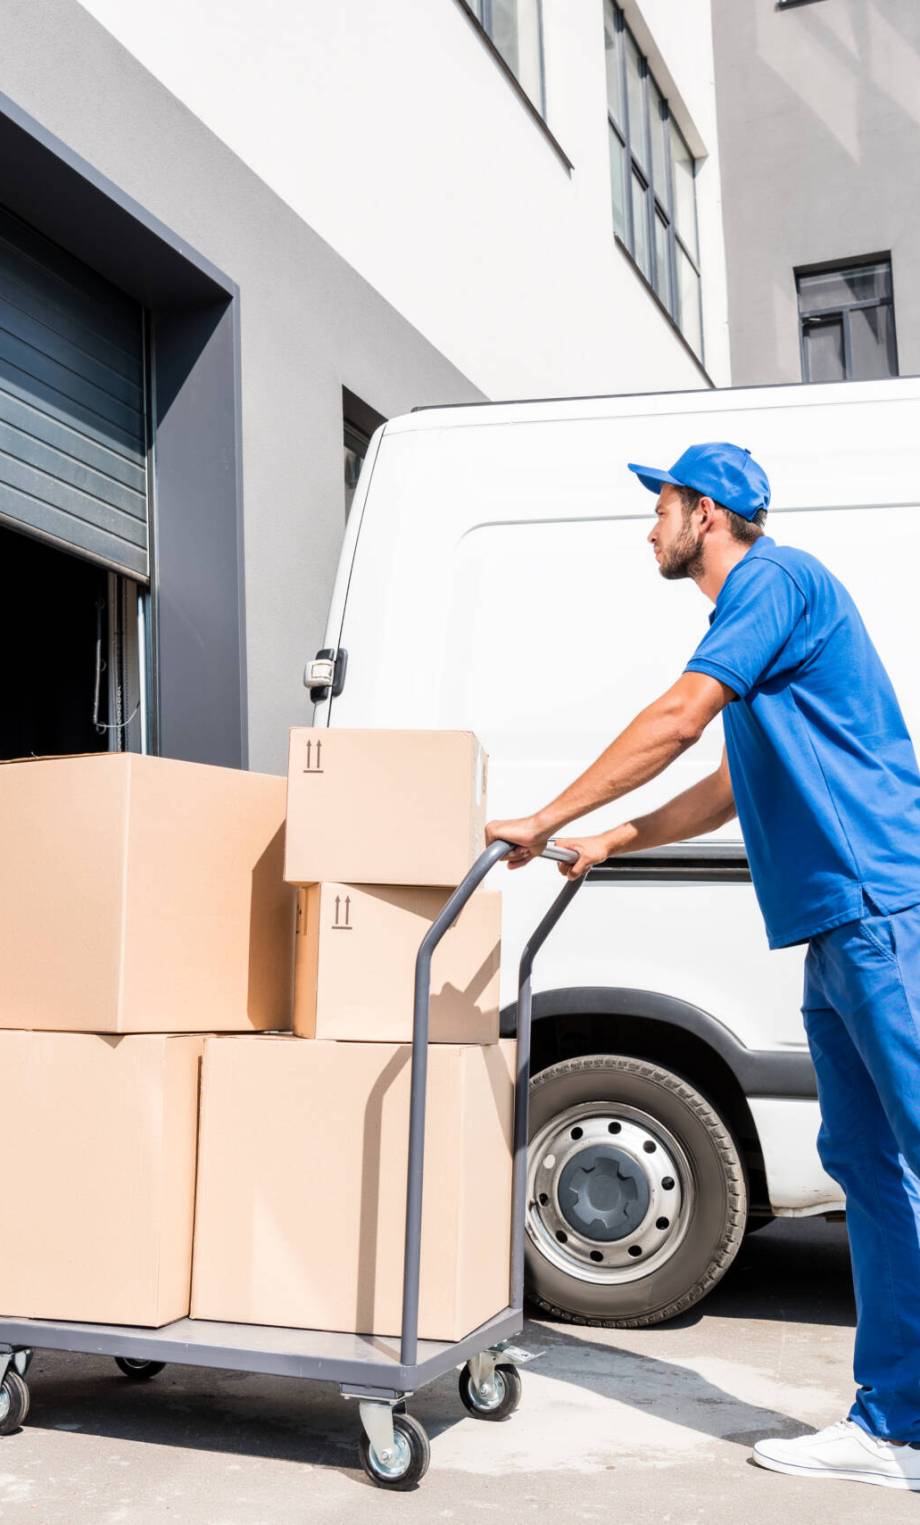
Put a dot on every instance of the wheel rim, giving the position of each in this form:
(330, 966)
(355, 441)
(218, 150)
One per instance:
(5, 1403)
(397, 1465)
(135, 1364)
(610, 1193)
(486, 1403)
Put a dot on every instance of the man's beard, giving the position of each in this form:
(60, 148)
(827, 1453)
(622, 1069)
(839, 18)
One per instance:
(685, 557)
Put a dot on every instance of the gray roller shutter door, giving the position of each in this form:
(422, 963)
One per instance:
(73, 431)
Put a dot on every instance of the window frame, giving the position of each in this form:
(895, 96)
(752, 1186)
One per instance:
(485, 21)
(841, 311)
(537, 113)
(644, 171)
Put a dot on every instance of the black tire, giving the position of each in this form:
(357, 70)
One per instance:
(14, 1402)
(715, 1193)
(139, 1371)
(413, 1461)
(508, 1391)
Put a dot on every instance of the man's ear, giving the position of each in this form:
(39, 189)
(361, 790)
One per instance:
(708, 506)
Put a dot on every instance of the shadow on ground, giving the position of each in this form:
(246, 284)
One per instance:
(795, 1270)
(789, 1271)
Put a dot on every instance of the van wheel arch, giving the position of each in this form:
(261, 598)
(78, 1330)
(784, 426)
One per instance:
(563, 1031)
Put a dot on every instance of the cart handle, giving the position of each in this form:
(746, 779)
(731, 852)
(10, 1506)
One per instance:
(419, 1083)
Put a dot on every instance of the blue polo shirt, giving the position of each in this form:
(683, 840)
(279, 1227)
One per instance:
(823, 769)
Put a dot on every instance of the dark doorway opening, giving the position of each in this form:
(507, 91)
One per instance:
(61, 643)
(360, 421)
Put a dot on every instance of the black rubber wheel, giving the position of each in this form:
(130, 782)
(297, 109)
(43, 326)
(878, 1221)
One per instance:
(586, 1278)
(408, 1466)
(139, 1371)
(14, 1402)
(501, 1403)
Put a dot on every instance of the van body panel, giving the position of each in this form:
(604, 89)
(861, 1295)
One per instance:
(496, 578)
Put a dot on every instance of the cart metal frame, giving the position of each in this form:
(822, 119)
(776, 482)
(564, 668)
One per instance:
(380, 1373)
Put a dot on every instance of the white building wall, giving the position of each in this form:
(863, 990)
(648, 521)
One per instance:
(392, 131)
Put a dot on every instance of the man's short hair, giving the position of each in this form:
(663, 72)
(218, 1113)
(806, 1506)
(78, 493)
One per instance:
(744, 530)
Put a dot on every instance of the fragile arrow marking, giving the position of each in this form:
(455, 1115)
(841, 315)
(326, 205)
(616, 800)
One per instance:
(341, 926)
(319, 752)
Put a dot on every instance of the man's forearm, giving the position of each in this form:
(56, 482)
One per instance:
(702, 808)
(650, 742)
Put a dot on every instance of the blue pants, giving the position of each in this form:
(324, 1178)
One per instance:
(862, 1016)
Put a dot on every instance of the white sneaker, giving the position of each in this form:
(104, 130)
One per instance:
(844, 1450)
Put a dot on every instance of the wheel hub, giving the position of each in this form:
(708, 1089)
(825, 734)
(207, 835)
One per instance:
(491, 1395)
(392, 1464)
(4, 1403)
(609, 1190)
(603, 1193)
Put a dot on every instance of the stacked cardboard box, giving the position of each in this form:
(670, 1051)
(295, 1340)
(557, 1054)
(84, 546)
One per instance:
(144, 905)
(141, 902)
(303, 1145)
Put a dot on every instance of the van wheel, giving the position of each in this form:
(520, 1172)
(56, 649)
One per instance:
(637, 1200)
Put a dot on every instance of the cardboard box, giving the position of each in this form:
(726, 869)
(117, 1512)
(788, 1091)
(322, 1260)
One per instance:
(302, 1185)
(354, 964)
(99, 1182)
(140, 894)
(384, 807)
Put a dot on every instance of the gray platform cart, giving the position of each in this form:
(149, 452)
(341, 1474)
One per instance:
(379, 1374)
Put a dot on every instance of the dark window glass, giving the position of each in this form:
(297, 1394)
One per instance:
(872, 348)
(612, 48)
(846, 318)
(658, 128)
(640, 224)
(823, 350)
(635, 101)
(662, 262)
(838, 288)
(618, 185)
(359, 421)
(652, 180)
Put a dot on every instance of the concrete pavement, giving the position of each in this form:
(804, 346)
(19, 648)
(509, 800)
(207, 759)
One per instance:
(647, 1426)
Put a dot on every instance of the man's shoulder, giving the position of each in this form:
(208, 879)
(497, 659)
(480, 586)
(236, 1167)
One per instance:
(805, 570)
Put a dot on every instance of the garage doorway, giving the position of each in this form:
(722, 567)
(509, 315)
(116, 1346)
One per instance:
(71, 637)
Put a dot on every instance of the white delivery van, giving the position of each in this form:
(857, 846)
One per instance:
(495, 576)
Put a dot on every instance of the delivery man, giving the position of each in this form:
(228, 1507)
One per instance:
(820, 769)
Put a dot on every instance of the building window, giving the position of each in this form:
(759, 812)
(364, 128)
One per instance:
(652, 179)
(846, 319)
(515, 28)
(359, 422)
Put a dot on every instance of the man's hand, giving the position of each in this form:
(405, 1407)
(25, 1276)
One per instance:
(590, 850)
(531, 838)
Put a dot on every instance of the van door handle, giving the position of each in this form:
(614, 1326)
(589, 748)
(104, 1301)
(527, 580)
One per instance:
(325, 675)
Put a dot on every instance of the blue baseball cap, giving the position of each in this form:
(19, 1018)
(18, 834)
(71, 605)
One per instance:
(725, 473)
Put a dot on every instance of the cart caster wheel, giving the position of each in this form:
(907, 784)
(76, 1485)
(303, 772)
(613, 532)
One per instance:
(139, 1371)
(14, 1402)
(502, 1397)
(410, 1461)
